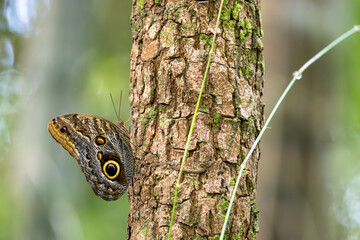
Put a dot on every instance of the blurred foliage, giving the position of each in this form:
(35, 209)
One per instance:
(344, 153)
(63, 56)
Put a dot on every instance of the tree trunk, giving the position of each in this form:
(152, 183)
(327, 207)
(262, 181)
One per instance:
(171, 41)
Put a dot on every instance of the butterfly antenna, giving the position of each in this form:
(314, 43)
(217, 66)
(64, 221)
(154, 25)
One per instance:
(112, 100)
(120, 103)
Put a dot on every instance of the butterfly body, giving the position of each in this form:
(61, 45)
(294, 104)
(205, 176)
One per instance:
(101, 148)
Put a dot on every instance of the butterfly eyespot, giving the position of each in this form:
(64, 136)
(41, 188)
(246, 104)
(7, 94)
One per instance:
(111, 169)
(100, 155)
(63, 129)
(100, 141)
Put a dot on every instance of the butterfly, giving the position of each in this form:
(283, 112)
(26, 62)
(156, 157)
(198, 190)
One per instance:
(101, 148)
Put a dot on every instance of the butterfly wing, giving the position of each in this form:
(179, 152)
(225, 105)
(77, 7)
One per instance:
(101, 148)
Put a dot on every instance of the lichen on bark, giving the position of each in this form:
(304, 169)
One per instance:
(171, 40)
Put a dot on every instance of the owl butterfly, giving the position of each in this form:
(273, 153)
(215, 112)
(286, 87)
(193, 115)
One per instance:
(101, 148)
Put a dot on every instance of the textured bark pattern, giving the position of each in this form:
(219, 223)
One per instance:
(171, 40)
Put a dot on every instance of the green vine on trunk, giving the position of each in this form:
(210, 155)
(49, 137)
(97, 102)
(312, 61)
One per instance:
(177, 186)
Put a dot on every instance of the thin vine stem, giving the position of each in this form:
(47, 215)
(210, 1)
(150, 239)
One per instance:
(177, 186)
(296, 76)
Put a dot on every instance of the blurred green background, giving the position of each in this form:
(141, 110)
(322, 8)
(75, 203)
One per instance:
(68, 56)
(58, 57)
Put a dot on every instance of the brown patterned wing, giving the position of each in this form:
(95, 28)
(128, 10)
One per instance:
(101, 148)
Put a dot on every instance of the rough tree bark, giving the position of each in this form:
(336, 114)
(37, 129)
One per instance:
(171, 39)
